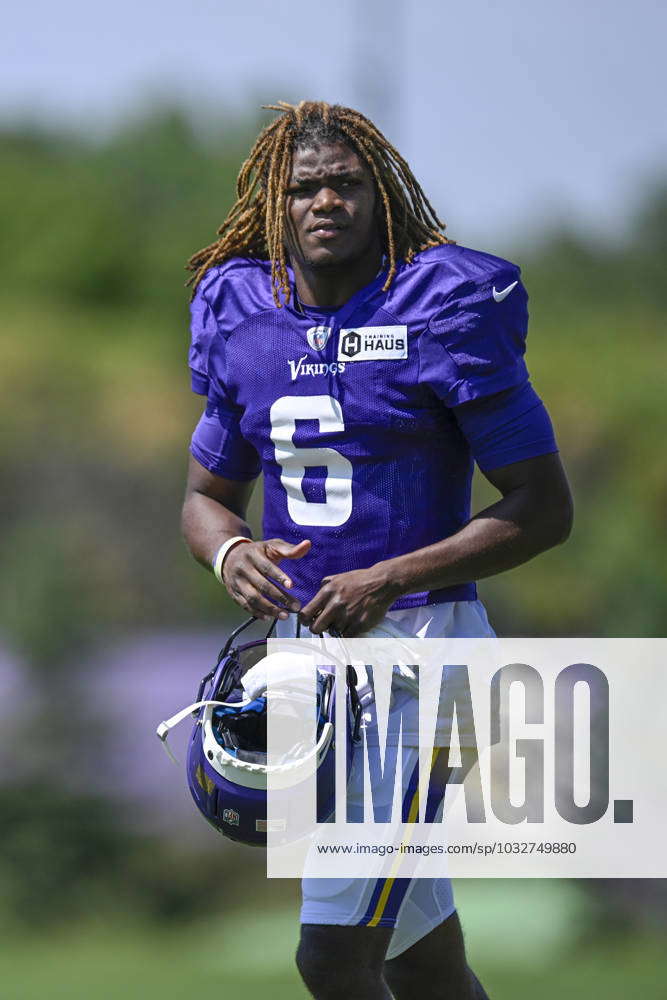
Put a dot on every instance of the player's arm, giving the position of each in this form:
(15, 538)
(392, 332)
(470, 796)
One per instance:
(534, 514)
(223, 469)
(472, 358)
(512, 439)
(213, 511)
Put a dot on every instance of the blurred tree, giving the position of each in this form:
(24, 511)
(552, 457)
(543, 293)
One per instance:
(71, 857)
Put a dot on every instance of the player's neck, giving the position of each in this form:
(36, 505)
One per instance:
(332, 287)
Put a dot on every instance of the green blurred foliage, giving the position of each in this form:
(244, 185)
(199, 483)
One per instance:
(251, 955)
(94, 386)
(67, 858)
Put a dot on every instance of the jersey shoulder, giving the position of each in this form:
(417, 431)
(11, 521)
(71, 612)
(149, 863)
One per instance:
(440, 276)
(469, 264)
(234, 291)
(472, 338)
(226, 296)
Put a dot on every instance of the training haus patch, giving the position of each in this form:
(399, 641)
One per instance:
(373, 343)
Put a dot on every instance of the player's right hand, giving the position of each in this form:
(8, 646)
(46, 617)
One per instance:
(254, 580)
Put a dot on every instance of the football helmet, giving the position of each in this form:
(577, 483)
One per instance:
(227, 767)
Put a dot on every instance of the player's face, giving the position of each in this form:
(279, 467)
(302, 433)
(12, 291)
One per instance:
(331, 207)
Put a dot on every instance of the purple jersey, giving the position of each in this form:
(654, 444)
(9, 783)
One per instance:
(351, 414)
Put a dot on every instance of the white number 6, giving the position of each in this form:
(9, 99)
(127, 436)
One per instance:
(294, 461)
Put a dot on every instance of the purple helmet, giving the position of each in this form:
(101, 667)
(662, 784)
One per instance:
(227, 765)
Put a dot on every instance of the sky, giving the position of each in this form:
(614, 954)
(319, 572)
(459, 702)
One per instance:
(512, 115)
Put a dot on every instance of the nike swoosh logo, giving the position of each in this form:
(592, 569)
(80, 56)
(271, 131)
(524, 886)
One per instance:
(499, 296)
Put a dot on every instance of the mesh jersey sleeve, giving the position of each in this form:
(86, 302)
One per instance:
(203, 330)
(474, 345)
(507, 427)
(217, 442)
(218, 445)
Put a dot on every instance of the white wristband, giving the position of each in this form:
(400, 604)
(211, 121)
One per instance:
(221, 554)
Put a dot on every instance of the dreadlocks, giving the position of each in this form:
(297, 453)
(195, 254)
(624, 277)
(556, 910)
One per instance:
(255, 226)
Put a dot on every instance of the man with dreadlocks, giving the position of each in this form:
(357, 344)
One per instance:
(362, 361)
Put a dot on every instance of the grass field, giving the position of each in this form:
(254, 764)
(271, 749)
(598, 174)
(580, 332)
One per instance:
(524, 942)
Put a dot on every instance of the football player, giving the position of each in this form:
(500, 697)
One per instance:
(362, 361)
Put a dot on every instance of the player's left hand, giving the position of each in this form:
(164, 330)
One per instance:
(351, 602)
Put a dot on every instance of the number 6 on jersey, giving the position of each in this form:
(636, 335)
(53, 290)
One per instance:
(294, 461)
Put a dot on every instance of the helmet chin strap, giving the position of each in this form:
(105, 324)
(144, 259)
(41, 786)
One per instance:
(163, 730)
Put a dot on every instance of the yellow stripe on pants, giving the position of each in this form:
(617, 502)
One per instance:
(387, 887)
